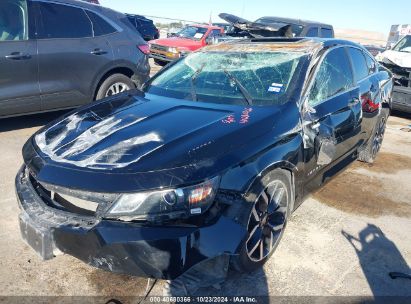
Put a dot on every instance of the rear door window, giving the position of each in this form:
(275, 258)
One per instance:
(334, 76)
(312, 32)
(326, 33)
(13, 20)
(360, 67)
(62, 21)
(100, 26)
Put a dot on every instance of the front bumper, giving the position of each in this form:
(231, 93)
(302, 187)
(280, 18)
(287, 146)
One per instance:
(163, 252)
(163, 56)
(401, 98)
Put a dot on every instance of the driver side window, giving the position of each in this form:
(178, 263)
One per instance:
(333, 77)
(13, 20)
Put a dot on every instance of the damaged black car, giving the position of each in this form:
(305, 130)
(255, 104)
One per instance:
(209, 160)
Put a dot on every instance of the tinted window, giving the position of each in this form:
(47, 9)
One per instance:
(326, 33)
(372, 66)
(62, 21)
(13, 20)
(359, 63)
(215, 33)
(100, 26)
(334, 76)
(312, 32)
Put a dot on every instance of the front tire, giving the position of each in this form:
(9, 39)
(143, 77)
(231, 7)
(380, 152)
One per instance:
(115, 84)
(265, 220)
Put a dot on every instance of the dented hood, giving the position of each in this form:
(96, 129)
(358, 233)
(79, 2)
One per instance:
(258, 29)
(402, 59)
(131, 143)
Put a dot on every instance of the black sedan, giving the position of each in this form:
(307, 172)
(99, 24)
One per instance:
(210, 159)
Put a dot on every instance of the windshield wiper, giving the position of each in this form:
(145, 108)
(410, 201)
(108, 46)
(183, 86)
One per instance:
(243, 90)
(193, 79)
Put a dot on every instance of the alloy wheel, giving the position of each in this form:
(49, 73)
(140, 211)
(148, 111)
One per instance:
(267, 221)
(117, 88)
(378, 138)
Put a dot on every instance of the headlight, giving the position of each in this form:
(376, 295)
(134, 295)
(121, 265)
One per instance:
(173, 50)
(172, 203)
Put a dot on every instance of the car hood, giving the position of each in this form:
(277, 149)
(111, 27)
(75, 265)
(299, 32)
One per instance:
(402, 59)
(143, 143)
(177, 42)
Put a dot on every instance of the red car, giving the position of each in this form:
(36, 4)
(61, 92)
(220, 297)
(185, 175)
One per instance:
(189, 39)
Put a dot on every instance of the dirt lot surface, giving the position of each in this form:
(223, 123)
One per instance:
(344, 240)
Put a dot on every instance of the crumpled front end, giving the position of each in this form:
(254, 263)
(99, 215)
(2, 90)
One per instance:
(51, 226)
(399, 63)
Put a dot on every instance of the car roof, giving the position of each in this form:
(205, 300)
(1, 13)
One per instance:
(138, 17)
(305, 45)
(295, 21)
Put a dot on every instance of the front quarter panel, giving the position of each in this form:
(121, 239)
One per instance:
(281, 148)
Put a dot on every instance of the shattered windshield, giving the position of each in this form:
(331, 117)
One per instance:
(404, 45)
(192, 32)
(254, 78)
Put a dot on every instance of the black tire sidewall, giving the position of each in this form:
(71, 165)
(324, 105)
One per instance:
(115, 78)
(366, 154)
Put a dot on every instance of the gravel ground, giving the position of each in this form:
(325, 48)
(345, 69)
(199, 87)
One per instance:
(343, 241)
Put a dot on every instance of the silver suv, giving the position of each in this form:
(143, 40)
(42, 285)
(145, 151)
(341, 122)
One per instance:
(64, 53)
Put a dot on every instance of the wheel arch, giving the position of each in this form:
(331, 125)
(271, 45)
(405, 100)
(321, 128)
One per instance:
(286, 167)
(115, 70)
(286, 155)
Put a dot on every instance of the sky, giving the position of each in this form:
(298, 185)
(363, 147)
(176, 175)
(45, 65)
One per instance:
(369, 15)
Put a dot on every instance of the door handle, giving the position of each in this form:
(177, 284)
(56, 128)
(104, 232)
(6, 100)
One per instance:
(98, 52)
(354, 102)
(18, 56)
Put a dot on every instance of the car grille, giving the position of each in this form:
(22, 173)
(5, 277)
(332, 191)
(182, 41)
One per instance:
(157, 47)
(66, 202)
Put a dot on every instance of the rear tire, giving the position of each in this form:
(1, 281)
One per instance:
(115, 84)
(369, 152)
(264, 222)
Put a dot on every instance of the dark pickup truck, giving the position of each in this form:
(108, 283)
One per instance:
(276, 27)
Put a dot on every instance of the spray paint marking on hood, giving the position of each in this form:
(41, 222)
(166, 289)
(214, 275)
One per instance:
(107, 158)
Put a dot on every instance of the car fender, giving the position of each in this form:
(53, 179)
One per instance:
(287, 154)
